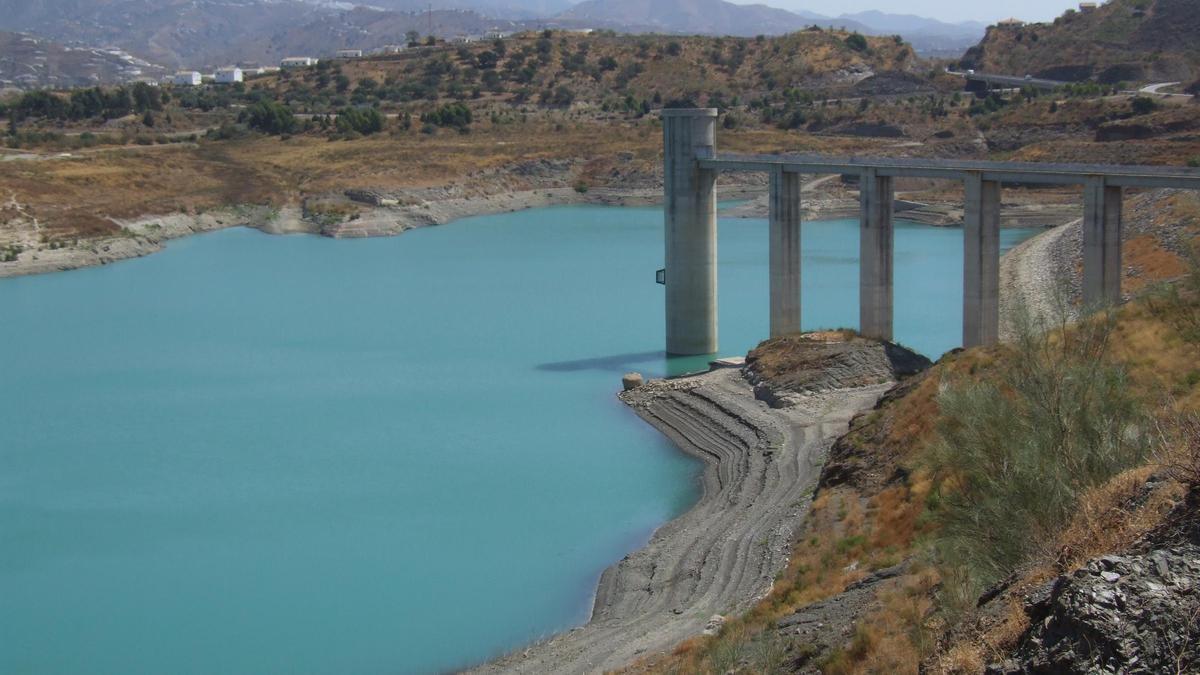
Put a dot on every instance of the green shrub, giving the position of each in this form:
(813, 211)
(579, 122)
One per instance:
(1016, 450)
(1143, 105)
(10, 252)
(856, 42)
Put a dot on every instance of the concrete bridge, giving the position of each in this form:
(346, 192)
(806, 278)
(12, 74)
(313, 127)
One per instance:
(993, 81)
(691, 165)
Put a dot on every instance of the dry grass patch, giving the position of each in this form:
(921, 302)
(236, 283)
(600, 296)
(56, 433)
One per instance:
(894, 637)
(1111, 517)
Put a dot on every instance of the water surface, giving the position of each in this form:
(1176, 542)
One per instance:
(261, 454)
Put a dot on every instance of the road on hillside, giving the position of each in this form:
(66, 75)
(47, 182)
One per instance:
(1010, 81)
(1157, 90)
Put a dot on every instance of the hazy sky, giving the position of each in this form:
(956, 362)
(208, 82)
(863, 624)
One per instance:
(945, 10)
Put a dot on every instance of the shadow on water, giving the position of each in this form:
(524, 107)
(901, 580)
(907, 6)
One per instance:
(650, 364)
(617, 363)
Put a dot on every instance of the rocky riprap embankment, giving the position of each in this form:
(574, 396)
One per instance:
(761, 467)
(1118, 614)
(1043, 276)
(1134, 611)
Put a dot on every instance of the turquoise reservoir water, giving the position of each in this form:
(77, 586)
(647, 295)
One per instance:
(259, 454)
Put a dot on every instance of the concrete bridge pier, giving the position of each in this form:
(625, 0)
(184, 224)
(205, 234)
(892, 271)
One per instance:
(981, 262)
(785, 251)
(1101, 243)
(691, 230)
(876, 237)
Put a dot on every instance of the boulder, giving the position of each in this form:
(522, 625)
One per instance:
(715, 622)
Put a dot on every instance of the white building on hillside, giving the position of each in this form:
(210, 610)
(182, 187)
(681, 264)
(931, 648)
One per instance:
(187, 78)
(228, 75)
(349, 53)
(298, 62)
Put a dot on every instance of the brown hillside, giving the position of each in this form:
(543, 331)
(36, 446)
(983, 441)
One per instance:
(594, 68)
(1121, 41)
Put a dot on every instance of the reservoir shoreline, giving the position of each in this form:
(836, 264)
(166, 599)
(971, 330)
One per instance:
(761, 465)
(149, 233)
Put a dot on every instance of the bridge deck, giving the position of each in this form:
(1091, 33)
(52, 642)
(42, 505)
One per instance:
(956, 169)
(1014, 81)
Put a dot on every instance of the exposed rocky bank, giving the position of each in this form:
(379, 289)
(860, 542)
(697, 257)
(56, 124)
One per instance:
(762, 461)
(376, 216)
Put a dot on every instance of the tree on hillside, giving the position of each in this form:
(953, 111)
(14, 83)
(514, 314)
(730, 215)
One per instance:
(561, 96)
(488, 60)
(146, 97)
(364, 121)
(87, 103)
(271, 118)
(856, 42)
(491, 80)
(681, 102)
(1143, 105)
(456, 115)
(40, 104)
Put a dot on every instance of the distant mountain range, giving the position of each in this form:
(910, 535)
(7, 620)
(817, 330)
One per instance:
(500, 9)
(28, 62)
(208, 33)
(724, 18)
(691, 16)
(363, 28)
(170, 32)
(925, 35)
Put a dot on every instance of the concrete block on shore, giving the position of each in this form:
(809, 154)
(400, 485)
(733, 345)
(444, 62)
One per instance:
(630, 381)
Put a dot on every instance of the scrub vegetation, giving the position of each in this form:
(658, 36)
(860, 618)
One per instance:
(1016, 450)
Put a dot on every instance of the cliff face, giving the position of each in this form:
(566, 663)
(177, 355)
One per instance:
(1123, 40)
